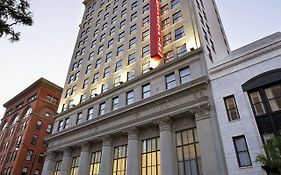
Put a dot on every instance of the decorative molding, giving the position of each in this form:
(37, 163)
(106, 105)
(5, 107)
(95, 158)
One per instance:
(106, 140)
(133, 133)
(201, 111)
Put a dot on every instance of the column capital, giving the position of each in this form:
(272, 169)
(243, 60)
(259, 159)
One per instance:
(50, 155)
(133, 133)
(201, 111)
(66, 151)
(165, 124)
(85, 146)
(106, 140)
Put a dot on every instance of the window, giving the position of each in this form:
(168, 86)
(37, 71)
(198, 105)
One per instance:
(73, 89)
(167, 39)
(145, 34)
(134, 16)
(122, 24)
(106, 72)
(94, 92)
(123, 13)
(131, 75)
(104, 26)
(145, 51)
(79, 118)
(130, 97)
(25, 170)
(112, 30)
(273, 95)
(102, 108)
(174, 3)
(242, 151)
(95, 163)
(110, 43)
(66, 123)
(88, 69)
(117, 81)
(77, 75)
(181, 50)
(83, 98)
(145, 8)
(60, 126)
(120, 50)
(168, 56)
(134, 5)
(176, 17)
(28, 112)
(184, 75)
(74, 166)
(104, 87)
(113, 20)
(100, 49)
(38, 124)
(94, 42)
(67, 93)
(36, 172)
(132, 58)
(145, 21)
(179, 33)
(164, 9)
(118, 65)
(165, 23)
(121, 36)
(146, 67)
(170, 81)
(146, 91)
(90, 114)
(91, 56)
(29, 155)
(151, 156)
(34, 139)
(257, 103)
(120, 160)
(57, 168)
(85, 84)
(96, 77)
(231, 108)
(188, 153)
(114, 9)
(108, 57)
(49, 128)
(133, 29)
(115, 103)
(132, 43)
(41, 158)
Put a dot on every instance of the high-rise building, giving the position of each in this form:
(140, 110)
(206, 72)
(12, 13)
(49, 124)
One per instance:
(29, 117)
(247, 90)
(137, 98)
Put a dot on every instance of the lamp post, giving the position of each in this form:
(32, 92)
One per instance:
(30, 153)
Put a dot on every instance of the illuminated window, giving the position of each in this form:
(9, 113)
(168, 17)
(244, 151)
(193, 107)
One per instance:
(188, 153)
(257, 103)
(170, 81)
(74, 166)
(120, 160)
(95, 163)
(151, 157)
(231, 108)
(273, 95)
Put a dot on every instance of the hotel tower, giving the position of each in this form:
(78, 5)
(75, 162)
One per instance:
(137, 97)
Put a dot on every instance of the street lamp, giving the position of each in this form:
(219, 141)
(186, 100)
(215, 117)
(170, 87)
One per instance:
(30, 153)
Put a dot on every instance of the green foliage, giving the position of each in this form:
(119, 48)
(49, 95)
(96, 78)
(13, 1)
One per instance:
(272, 159)
(13, 13)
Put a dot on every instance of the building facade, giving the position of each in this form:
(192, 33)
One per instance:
(137, 98)
(247, 95)
(29, 117)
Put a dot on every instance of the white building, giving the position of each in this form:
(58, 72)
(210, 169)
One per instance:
(247, 95)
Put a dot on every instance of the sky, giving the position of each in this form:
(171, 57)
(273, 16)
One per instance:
(45, 49)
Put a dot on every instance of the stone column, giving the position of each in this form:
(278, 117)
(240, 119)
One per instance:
(167, 148)
(133, 161)
(49, 165)
(84, 160)
(106, 156)
(208, 138)
(66, 162)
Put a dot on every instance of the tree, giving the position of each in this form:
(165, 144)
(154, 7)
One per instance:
(14, 13)
(271, 162)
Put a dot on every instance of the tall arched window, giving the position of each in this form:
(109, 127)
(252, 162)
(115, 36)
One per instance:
(28, 112)
(15, 119)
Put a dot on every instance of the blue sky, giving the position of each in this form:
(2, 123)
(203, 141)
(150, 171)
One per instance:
(45, 48)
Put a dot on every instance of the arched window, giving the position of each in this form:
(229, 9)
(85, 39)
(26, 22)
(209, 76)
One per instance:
(15, 120)
(4, 125)
(28, 112)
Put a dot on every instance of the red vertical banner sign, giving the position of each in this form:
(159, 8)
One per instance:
(156, 43)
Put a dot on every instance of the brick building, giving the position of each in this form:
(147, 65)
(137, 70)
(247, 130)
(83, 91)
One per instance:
(27, 120)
